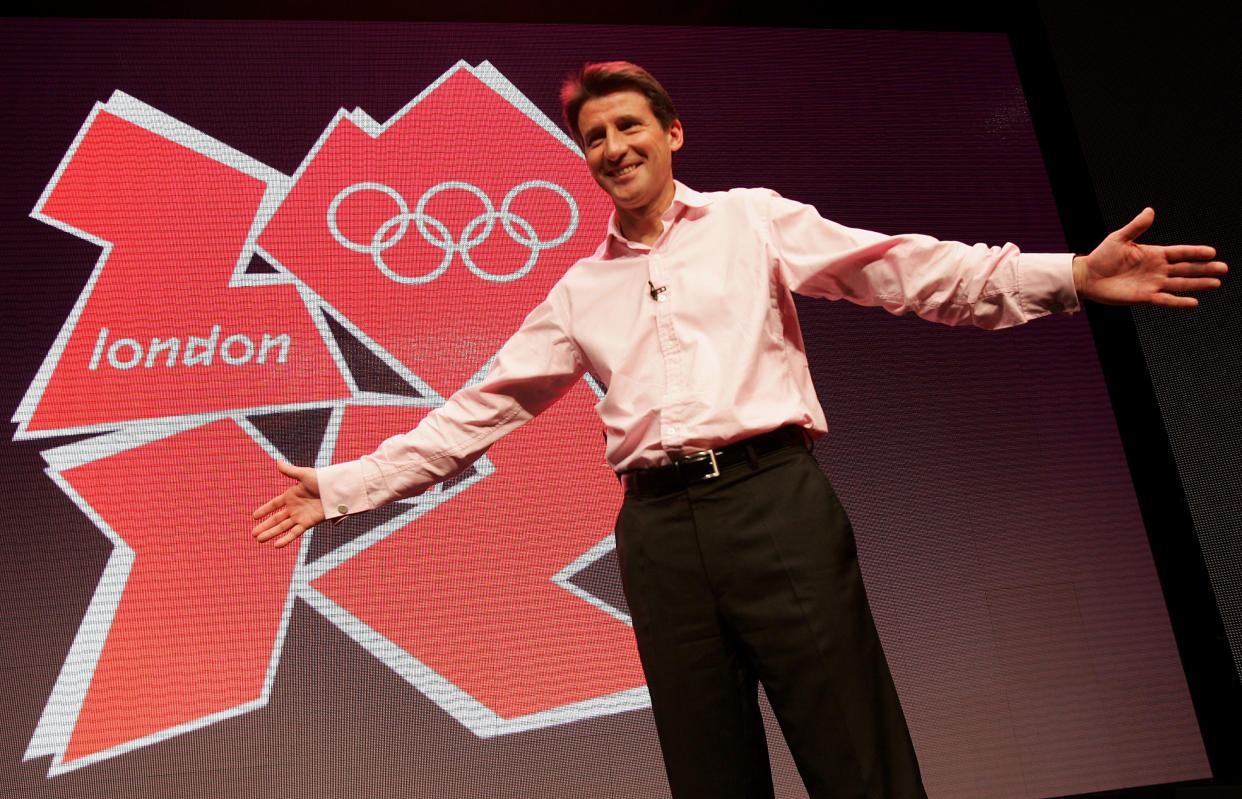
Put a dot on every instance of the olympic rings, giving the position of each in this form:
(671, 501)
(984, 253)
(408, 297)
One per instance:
(437, 234)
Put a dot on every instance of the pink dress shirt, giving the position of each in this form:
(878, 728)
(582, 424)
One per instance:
(716, 355)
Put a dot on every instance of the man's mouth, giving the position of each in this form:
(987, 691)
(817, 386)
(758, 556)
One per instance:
(622, 171)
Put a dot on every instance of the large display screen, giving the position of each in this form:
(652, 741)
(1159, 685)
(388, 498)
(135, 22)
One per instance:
(227, 244)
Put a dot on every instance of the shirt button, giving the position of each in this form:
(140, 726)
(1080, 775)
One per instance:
(342, 509)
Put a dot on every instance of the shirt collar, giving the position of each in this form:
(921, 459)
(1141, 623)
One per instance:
(684, 198)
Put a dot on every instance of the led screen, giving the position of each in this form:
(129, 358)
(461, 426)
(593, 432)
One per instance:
(227, 244)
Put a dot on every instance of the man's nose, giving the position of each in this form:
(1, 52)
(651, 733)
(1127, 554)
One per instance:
(614, 145)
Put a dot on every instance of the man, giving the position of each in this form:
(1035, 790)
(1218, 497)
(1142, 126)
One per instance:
(737, 559)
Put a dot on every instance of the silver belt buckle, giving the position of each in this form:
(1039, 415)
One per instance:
(701, 456)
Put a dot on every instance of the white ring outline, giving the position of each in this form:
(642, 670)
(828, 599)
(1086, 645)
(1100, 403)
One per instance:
(468, 240)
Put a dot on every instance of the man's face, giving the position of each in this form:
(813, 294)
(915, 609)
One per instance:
(629, 152)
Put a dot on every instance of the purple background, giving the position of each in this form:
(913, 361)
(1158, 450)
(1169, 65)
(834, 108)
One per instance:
(1006, 561)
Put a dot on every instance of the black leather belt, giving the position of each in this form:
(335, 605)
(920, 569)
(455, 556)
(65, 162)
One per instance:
(708, 464)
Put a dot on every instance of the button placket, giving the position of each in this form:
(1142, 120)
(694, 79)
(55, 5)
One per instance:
(672, 428)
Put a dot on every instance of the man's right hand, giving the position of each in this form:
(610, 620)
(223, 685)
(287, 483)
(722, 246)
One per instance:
(287, 516)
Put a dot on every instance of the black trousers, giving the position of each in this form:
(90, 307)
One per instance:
(753, 577)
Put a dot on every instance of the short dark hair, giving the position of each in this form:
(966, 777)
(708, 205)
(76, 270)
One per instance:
(606, 77)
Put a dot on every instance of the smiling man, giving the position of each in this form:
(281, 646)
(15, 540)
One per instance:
(630, 152)
(737, 559)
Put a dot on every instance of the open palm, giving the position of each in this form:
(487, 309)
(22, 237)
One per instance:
(1120, 271)
(288, 515)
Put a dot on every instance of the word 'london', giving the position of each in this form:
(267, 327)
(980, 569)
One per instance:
(237, 349)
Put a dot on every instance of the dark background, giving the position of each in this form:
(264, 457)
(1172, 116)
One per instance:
(1153, 96)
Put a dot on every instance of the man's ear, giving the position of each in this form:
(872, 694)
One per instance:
(676, 136)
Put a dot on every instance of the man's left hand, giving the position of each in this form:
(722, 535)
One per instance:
(1123, 272)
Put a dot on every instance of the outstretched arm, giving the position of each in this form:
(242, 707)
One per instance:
(1120, 271)
(534, 368)
(292, 513)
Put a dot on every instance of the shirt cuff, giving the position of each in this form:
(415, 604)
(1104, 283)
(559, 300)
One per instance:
(342, 489)
(1047, 281)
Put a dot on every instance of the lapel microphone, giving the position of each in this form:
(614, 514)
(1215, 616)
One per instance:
(656, 292)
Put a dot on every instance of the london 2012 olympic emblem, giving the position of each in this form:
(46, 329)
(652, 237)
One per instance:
(438, 235)
(346, 339)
